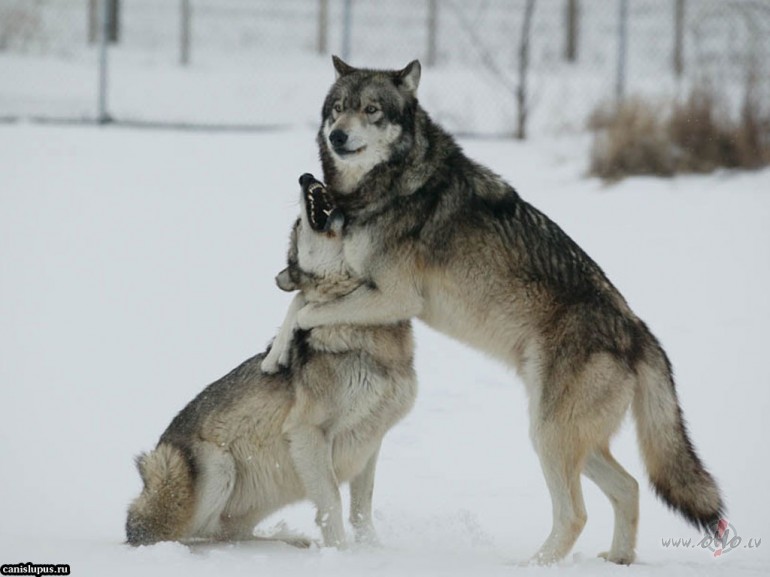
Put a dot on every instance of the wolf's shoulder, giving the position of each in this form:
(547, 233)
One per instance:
(466, 186)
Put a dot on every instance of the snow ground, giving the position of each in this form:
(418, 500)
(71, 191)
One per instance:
(137, 266)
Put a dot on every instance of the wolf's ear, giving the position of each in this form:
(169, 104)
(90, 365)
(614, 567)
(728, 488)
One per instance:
(285, 282)
(341, 68)
(409, 77)
(139, 461)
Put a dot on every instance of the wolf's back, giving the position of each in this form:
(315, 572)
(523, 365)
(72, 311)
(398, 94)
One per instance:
(164, 509)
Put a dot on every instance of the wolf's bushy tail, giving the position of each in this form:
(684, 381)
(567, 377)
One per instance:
(166, 505)
(676, 473)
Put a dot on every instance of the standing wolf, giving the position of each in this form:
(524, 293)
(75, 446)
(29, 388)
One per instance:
(253, 442)
(439, 237)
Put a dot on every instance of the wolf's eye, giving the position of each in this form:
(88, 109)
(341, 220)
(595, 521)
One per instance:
(337, 107)
(371, 109)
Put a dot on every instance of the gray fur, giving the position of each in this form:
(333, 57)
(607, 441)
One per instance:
(263, 436)
(439, 237)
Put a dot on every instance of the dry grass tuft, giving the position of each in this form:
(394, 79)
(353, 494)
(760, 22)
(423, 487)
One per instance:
(698, 135)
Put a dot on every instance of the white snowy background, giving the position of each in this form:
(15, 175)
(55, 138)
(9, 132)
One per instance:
(137, 265)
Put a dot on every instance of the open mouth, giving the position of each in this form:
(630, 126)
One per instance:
(318, 203)
(342, 151)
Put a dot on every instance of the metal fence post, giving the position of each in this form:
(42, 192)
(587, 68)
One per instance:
(571, 17)
(104, 30)
(185, 18)
(521, 91)
(323, 25)
(678, 38)
(430, 59)
(93, 21)
(620, 80)
(347, 23)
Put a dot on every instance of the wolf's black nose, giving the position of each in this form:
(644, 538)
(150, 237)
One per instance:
(306, 179)
(338, 138)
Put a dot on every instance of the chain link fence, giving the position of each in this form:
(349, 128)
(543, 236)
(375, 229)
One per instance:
(489, 65)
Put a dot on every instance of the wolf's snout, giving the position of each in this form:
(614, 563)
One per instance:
(306, 180)
(338, 138)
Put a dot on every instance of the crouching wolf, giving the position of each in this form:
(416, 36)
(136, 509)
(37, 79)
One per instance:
(439, 237)
(252, 442)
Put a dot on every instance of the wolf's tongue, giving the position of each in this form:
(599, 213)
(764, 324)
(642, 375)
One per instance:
(318, 202)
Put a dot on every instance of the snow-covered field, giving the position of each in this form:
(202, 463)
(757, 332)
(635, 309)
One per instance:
(137, 266)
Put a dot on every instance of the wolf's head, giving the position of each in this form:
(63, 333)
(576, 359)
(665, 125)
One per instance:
(315, 251)
(367, 119)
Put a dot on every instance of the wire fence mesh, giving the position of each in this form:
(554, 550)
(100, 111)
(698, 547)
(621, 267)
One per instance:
(262, 63)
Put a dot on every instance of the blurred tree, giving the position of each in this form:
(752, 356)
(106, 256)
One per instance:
(517, 87)
(571, 24)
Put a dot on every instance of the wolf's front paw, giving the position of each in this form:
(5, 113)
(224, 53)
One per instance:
(277, 358)
(270, 364)
(620, 558)
(366, 536)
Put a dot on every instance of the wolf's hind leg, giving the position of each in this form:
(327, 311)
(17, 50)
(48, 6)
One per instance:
(215, 483)
(240, 529)
(361, 491)
(623, 492)
(562, 462)
(311, 453)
